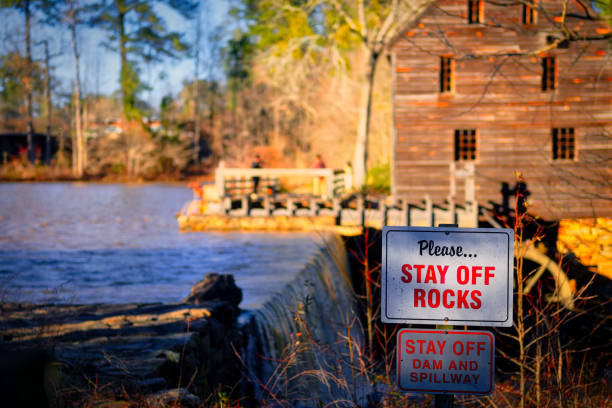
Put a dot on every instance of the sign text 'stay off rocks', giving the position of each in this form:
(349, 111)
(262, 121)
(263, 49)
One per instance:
(447, 276)
(439, 361)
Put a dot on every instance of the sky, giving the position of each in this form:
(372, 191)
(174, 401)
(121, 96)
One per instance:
(100, 67)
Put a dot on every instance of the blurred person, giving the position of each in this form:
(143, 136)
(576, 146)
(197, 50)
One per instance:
(256, 164)
(319, 182)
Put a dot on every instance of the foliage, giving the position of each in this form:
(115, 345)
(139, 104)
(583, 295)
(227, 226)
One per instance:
(379, 178)
(22, 5)
(563, 354)
(314, 38)
(604, 7)
(13, 78)
(274, 23)
(139, 34)
(238, 55)
(131, 86)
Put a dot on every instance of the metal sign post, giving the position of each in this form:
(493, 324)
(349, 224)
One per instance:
(447, 276)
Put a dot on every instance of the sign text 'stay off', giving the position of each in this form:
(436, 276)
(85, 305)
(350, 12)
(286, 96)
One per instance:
(447, 276)
(439, 361)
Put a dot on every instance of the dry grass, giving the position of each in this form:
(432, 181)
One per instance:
(554, 356)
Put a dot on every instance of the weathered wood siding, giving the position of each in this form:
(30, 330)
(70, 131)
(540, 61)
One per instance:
(498, 92)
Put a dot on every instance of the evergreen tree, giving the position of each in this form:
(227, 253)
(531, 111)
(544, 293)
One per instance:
(139, 34)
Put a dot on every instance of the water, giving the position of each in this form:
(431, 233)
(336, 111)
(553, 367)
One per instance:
(119, 243)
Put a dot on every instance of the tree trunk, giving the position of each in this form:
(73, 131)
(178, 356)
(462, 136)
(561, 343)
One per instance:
(123, 57)
(47, 104)
(196, 95)
(73, 141)
(216, 142)
(61, 149)
(125, 97)
(84, 122)
(29, 84)
(360, 159)
(78, 166)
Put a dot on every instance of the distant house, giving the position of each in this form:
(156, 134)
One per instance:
(490, 85)
(155, 126)
(114, 128)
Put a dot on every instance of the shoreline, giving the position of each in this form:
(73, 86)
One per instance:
(113, 180)
(43, 173)
(143, 350)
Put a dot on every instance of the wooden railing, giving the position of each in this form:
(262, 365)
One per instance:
(223, 174)
(234, 188)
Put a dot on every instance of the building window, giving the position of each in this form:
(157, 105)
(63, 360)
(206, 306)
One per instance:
(563, 143)
(549, 73)
(529, 12)
(465, 144)
(475, 11)
(447, 74)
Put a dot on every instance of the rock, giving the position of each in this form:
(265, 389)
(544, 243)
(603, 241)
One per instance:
(138, 349)
(216, 287)
(176, 397)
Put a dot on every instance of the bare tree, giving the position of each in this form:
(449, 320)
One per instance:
(79, 144)
(196, 88)
(375, 25)
(48, 103)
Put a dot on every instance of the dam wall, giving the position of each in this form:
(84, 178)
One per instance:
(308, 336)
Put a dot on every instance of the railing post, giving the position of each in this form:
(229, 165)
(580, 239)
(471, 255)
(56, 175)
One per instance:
(429, 212)
(348, 180)
(220, 182)
(267, 205)
(314, 207)
(330, 183)
(406, 213)
(227, 204)
(452, 208)
(291, 206)
(453, 179)
(383, 209)
(246, 205)
(337, 207)
(470, 183)
(361, 210)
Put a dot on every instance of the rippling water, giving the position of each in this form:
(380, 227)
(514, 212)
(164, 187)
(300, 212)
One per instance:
(117, 243)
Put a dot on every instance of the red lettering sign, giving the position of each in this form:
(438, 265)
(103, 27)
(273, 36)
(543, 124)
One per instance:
(445, 361)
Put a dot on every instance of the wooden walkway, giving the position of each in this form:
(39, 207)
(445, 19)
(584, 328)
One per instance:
(325, 195)
(353, 210)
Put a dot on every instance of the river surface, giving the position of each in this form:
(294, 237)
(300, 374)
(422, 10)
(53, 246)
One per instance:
(120, 243)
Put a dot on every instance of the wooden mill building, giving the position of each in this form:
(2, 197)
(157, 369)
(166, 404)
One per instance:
(496, 85)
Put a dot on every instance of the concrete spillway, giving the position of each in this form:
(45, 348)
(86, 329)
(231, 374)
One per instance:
(307, 337)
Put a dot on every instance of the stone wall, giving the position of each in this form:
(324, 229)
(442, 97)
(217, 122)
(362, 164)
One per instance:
(590, 240)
